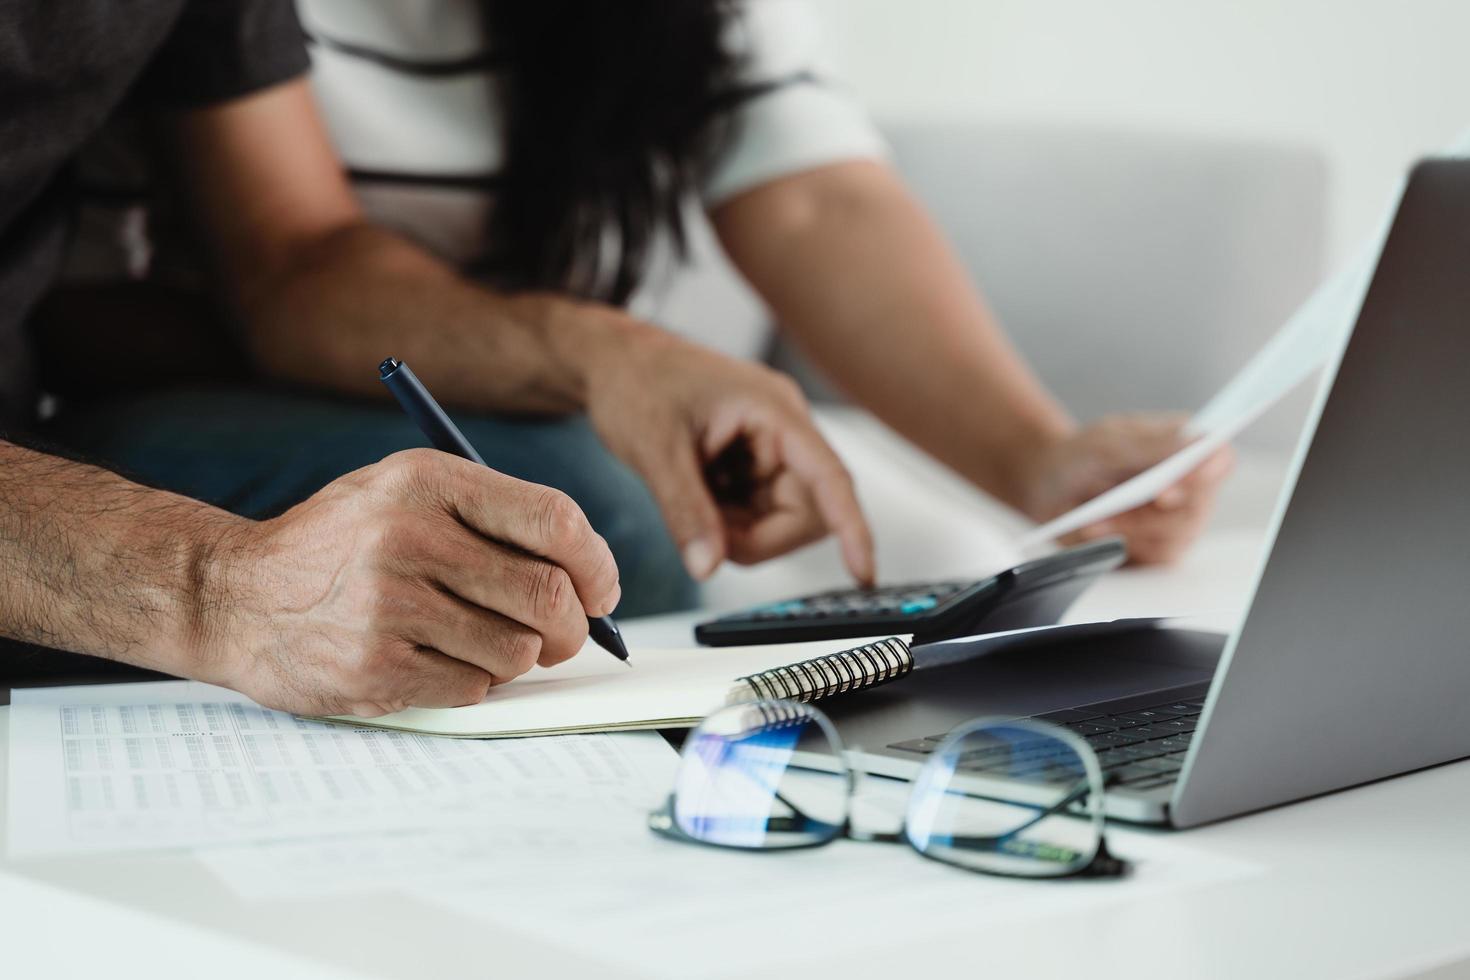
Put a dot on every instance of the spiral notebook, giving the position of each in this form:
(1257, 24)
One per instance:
(676, 688)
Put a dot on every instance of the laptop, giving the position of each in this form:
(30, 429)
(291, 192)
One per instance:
(1352, 661)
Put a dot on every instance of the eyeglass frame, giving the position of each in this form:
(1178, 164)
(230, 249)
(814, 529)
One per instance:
(1102, 864)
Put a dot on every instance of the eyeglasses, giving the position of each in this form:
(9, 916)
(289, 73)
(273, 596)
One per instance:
(1017, 798)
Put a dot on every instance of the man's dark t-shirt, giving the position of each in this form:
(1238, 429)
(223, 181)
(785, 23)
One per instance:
(65, 66)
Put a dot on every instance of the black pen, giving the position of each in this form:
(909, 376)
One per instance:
(446, 437)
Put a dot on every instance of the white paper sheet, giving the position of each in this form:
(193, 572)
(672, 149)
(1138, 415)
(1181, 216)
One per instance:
(89, 772)
(531, 841)
(662, 908)
(1138, 490)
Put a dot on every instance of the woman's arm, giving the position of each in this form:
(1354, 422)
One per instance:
(865, 284)
(324, 296)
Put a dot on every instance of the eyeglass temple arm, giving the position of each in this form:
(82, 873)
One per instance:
(1079, 793)
(798, 818)
(986, 843)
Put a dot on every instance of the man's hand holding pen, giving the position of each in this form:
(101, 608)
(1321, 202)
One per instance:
(422, 580)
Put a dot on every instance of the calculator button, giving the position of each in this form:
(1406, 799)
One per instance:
(914, 606)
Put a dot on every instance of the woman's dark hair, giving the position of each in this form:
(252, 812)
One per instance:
(607, 108)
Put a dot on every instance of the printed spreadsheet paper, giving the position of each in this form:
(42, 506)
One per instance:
(184, 765)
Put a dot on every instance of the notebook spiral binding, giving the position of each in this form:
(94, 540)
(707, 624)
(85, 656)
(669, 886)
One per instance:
(850, 670)
(769, 716)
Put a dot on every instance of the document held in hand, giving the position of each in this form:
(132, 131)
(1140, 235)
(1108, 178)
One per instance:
(1316, 332)
(1313, 335)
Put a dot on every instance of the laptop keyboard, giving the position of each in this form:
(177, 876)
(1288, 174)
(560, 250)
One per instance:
(1140, 741)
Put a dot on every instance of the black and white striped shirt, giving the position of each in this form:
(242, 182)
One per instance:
(408, 91)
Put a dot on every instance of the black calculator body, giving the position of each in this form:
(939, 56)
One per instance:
(1035, 593)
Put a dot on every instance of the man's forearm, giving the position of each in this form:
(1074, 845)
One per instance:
(361, 294)
(866, 285)
(92, 563)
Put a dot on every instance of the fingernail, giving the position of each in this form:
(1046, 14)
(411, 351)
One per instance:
(700, 559)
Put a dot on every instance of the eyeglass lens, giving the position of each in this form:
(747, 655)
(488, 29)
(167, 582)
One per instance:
(762, 775)
(1005, 798)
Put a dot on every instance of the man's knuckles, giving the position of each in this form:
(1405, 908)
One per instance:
(391, 606)
(408, 474)
(472, 688)
(395, 675)
(519, 650)
(546, 593)
(557, 523)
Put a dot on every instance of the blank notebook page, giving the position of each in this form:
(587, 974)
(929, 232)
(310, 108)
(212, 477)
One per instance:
(593, 692)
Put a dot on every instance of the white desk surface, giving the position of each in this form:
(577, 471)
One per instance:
(1366, 883)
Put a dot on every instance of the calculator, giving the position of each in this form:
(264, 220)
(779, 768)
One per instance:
(1035, 593)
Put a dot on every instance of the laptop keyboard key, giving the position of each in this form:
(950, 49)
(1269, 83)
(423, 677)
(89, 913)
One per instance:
(1149, 715)
(1068, 715)
(1147, 750)
(1110, 740)
(1089, 728)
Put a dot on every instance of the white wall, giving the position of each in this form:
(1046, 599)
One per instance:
(1372, 84)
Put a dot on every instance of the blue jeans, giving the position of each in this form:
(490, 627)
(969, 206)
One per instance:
(257, 451)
